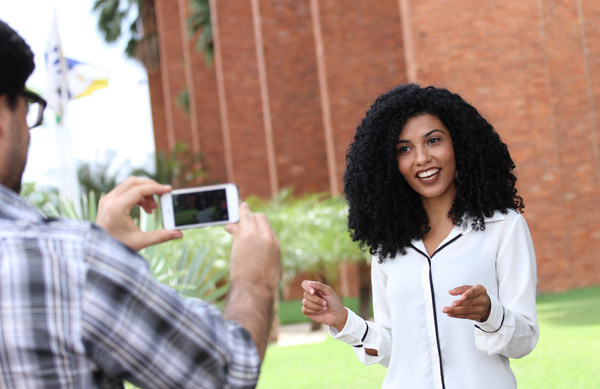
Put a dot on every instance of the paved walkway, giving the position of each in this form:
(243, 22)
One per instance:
(295, 334)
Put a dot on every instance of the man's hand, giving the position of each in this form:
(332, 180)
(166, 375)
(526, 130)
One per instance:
(114, 217)
(474, 303)
(255, 254)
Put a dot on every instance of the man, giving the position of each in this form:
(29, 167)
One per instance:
(79, 307)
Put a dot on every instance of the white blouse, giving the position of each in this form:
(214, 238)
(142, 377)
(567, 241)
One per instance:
(423, 347)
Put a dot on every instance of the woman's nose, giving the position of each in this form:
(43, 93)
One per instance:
(422, 155)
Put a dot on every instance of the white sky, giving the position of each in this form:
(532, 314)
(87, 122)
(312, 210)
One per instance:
(114, 118)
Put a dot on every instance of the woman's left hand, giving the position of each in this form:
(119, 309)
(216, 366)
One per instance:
(474, 303)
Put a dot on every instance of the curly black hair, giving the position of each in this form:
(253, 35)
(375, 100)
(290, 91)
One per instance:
(385, 213)
(16, 63)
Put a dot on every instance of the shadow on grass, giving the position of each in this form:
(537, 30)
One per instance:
(580, 307)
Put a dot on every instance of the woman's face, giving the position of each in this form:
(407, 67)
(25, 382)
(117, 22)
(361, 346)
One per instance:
(426, 158)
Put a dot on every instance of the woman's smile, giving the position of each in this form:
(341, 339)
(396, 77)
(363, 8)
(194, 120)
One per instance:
(428, 175)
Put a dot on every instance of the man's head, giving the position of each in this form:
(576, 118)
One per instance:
(16, 65)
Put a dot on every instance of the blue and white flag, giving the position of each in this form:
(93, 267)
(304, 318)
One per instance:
(83, 79)
(56, 70)
(69, 78)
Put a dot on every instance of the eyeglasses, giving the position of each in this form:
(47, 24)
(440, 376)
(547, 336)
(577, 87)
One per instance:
(35, 108)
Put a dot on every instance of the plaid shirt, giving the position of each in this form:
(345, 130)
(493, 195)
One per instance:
(80, 310)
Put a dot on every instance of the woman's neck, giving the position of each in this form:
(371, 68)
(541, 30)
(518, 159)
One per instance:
(439, 223)
(437, 209)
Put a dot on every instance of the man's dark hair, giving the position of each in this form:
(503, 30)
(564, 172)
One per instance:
(385, 214)
(16, 63)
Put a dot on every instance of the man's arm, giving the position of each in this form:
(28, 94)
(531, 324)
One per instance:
(255, 272)
(255, 266)
(136, 329)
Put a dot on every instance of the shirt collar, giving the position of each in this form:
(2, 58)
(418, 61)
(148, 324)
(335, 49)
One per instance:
(461, 229)
(13, 207)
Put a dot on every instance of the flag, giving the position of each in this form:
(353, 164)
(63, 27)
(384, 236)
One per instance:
(56, 69)
(67, 77)
(83, 79)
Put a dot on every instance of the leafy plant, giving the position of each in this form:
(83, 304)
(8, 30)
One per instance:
(181, 167)
(183, 101)
(193, 269)
(200, 20)
(48, 201)
(313, 233)
(100, 177)
(44, 199)
(121, 18)
(113, 14)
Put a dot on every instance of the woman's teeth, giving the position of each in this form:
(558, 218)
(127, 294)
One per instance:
(428, 173)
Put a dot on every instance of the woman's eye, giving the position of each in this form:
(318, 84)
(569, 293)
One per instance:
(403, 149)
(434, 140)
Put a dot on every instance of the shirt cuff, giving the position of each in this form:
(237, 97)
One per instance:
(496, 318)
(353, 332)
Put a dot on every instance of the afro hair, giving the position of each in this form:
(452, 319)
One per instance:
(385, 213)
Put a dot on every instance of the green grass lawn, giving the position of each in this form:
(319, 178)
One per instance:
(567, 355)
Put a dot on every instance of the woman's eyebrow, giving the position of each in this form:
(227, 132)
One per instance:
(424, 136)
(433, 131)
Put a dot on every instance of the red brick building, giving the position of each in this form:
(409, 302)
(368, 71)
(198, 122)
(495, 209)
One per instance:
(291, 80)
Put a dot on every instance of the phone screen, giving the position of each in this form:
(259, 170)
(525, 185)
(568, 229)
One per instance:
(200, 207)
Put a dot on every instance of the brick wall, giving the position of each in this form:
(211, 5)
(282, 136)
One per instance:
(364, 57)
(173, 80)
(205, 123)
(292, 79)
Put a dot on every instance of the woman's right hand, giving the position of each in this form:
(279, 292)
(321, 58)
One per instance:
(322, 304)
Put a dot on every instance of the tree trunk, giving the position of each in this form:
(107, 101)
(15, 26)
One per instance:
(147, 50)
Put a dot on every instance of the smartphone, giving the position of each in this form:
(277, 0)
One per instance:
(200, 207)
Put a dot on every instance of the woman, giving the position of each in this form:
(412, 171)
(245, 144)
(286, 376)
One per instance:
(431, 193)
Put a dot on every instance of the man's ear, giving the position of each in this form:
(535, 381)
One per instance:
(4, 112)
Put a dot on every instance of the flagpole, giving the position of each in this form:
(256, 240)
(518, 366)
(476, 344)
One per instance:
(69, 184)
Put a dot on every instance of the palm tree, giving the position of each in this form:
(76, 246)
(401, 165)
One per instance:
(181, 167)
(113, 14)
(199, 21)
(135, 20)
(100, 177)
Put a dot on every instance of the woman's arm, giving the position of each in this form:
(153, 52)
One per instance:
(370, 341)
(511, 328)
